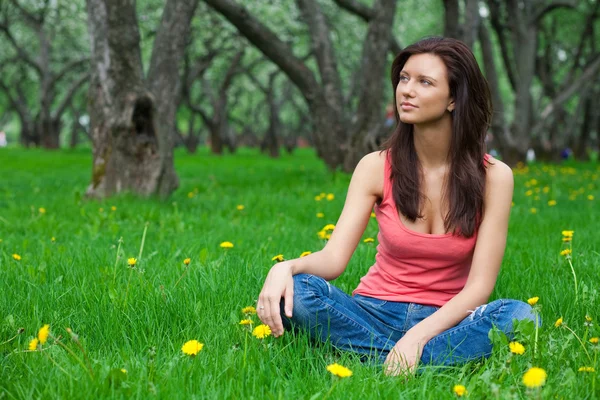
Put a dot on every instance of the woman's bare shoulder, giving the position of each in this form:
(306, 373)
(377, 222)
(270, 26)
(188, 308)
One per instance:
(498, 173)
(372, 169)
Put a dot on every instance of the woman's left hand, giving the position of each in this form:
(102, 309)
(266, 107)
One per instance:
(404, 356)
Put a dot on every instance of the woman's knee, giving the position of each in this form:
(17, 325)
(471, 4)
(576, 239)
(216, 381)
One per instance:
(309, 286)
(516, 310)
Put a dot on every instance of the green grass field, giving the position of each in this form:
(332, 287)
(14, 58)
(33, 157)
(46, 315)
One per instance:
(73, 273)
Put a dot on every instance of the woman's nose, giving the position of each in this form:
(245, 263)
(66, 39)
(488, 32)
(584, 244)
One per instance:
(406, 89)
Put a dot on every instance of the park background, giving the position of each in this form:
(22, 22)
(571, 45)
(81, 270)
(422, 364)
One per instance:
(163, 130)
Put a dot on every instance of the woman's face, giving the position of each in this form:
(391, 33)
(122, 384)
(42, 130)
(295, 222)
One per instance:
(423, 93)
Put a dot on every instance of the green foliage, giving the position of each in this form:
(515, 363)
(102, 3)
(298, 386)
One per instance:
(81, 280)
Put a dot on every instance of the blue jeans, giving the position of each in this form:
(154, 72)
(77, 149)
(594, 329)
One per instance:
(371, 327)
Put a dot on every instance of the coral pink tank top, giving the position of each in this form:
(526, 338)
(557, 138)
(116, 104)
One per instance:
(414, 267)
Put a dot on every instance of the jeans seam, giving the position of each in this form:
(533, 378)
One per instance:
(462, 328)
(355, 323)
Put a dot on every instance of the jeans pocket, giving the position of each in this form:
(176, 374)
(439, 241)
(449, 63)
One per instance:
(370, 302)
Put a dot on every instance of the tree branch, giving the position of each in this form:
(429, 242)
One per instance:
(70, 93)
(539, 14)
(268, 43)
(586, 76)
(360, 10)
(20, 51)
(69, 66)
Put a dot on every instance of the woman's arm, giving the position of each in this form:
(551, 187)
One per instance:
(487, 258)
(365, 188)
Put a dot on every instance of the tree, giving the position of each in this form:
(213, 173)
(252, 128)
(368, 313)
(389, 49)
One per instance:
(40, 120)
(340, 137)
(131, 118)
(518, 27)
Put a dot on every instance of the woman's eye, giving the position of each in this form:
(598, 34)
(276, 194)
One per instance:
(403, 78)
(425, 82)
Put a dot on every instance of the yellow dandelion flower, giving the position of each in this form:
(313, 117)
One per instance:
(226, 245)
(101, 210)
(533, 182)
(305, 253)
(246, 322)
(131, 261)
(191, 195)
(568, 233)
(318, 198)
(330, 197)
(369, 240)
(240, 207)
(533, 210)
(53, 239)
(249, 310)
(558, 322)
(192, 347)
(551, 203)
(338, 370)
(373, 215)
(590, 197)
(123, 370)
(588, 318)
(16, 257)
(533, 301)
(42, 210)
(567, 239)
(278, 258)
(261, 331)
(43, 334)
(320, 215)
(113, 208)
(565, 252)
(586, 369)
(594, 340)
(529, 193)
(534, 377)
(322, 234)
(546, 189)
(329, 227)
(459, 390)
(516, 348)
(187, 261)
(33, 344)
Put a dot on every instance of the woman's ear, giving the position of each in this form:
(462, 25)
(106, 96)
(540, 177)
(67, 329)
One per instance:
(450, 107)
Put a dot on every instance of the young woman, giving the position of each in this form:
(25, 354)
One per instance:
(442, 206)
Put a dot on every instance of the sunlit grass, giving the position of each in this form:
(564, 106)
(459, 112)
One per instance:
(73, 272)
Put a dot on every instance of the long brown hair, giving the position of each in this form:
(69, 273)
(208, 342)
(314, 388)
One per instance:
(465, 185)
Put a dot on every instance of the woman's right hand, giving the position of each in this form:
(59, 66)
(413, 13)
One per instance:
(279, 283)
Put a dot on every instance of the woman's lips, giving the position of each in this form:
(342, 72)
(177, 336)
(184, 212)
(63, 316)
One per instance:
(407, 106)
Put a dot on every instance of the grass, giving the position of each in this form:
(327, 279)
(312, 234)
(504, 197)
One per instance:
(138, 319)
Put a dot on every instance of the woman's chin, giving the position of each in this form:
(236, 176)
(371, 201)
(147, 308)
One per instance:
(407, 119)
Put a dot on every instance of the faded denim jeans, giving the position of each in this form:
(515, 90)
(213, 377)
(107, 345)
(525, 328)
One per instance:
(371, 327)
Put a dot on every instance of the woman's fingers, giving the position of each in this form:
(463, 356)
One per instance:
(268, 312)
(289, 299)
(276, 323)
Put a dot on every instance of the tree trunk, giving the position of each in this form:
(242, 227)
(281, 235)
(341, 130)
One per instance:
(452, 19)
(130, 124)
(367, 126)
(49, 132)
(164, 83)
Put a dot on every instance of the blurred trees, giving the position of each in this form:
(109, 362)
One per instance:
(43, 64)
(233, 73)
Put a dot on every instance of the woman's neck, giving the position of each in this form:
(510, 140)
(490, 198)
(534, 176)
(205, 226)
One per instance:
(432, 142)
